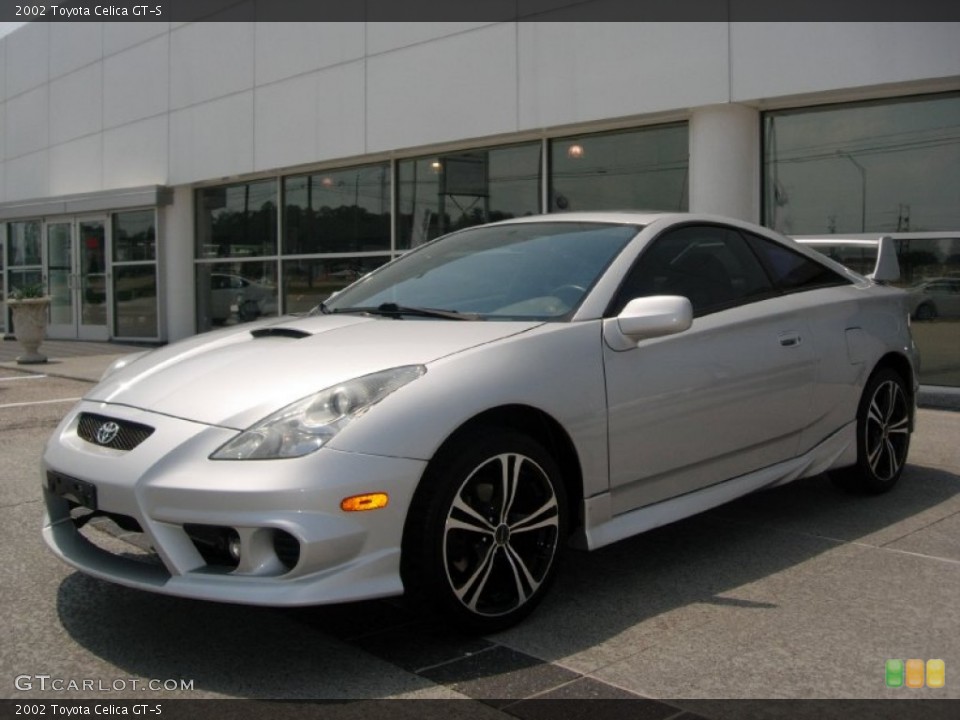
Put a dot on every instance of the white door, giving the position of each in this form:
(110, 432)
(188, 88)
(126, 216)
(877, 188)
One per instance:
(729, 396)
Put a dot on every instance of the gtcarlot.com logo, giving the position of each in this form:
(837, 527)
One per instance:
(26, 683)
(911, 673)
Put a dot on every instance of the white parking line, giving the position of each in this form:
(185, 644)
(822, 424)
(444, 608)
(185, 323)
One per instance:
(23, 377)
(39, 402)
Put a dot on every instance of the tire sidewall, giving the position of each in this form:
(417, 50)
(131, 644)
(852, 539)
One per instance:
(423, 562)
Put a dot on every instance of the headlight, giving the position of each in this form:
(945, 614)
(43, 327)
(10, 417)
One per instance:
(308, 424)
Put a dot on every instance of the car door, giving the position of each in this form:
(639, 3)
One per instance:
(726, 397)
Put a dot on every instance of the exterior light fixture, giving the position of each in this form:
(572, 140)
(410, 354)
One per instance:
(436, 166)
(575, 151)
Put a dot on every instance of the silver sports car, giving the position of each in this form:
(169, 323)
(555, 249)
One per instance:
(447, 425)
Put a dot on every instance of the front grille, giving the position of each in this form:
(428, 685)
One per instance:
(112, 433)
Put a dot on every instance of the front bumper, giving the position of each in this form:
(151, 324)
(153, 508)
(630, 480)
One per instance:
(167, 486)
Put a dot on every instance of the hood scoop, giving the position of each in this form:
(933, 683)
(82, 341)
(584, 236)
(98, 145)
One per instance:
(280, 331)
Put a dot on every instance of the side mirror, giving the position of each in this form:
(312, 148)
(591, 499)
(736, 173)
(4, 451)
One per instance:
(648, 317)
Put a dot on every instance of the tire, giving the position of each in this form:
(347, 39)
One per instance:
(883, 436)
(486, 531)
(927, 311)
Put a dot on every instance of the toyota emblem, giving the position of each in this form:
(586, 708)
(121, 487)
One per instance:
(107, 432)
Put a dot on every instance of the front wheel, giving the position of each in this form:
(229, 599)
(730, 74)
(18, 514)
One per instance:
(486, 530)
(883, 435)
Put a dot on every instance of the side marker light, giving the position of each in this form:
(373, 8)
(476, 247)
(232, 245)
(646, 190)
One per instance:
(360, 503)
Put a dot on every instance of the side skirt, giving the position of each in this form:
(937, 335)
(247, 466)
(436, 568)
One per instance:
(603, 527)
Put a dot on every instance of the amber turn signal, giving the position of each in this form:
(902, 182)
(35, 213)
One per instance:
(370, 501)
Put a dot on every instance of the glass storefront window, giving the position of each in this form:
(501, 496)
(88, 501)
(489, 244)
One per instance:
(337, 211)
(643, 169)
(235, 292)
(135, 301)
(134, 236)
(442, 193)
(23, 244)
(307, 283)
(869, 167)
(135, 286)
(237, 221)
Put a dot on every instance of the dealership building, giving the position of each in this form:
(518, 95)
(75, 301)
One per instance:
(163, 179)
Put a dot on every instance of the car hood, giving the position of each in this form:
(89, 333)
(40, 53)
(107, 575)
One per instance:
(234, 378)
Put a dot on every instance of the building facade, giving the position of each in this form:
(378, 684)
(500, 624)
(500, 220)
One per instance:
(163, 179)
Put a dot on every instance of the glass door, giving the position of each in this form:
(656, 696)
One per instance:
(92, 279)
(77, 279)
(60, 280)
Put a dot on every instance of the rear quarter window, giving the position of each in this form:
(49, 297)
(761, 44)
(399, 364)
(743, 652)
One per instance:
(791, 271)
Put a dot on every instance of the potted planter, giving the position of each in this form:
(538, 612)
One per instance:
(29, 307)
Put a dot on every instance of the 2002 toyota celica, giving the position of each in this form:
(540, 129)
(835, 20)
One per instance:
(445, 426)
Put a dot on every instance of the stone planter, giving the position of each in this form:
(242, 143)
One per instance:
(30, 327)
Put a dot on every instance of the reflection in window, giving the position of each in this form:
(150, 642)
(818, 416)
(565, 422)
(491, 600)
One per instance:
(135, 301)
(442, 193)
(307, 283)
(868, 167)
(237, 220)
(642, 169)
(135, 292)
(134, 236)
(23, 244)
(337, 211)
(237, 292)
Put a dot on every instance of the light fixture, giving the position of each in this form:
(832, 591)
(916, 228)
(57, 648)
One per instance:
(436, 166)
(575, 151)
(327, 181)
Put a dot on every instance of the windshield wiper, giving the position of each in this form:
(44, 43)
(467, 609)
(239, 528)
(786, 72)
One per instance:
(397, 311)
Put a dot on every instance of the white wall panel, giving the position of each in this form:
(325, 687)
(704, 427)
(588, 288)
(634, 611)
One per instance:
(457, 87)
(135, 83)
(286, 122)
(77, 166)
(27, 128)
(212, 140)
(288, 49)
(136, 154)
(3, 69)
(776, 59)
(210, 60)
(25, 177)
(386, 36)
(119, 36)
(577, 72)
(76, 104)
(341, 121)
(28, 57)
(73, 45)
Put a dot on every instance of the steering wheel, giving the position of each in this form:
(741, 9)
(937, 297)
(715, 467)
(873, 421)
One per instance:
(569, 294)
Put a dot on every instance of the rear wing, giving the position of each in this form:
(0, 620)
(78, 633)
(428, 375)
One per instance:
(876, 258)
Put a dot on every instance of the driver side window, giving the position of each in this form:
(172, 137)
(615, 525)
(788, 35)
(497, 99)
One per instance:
(711, 266)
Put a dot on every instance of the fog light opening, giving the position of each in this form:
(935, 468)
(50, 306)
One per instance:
(287, 548)
(233, 545)
(367, 501)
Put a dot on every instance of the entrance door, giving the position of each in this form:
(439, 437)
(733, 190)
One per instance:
(77, 279)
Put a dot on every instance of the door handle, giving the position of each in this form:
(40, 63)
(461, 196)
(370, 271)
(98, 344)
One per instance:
(790, 339)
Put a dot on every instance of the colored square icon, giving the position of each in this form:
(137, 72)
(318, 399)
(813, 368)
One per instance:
(894, 673)
(915, 673)
(936, 673)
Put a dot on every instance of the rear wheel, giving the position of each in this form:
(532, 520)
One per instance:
(486, 531)
(883, 435)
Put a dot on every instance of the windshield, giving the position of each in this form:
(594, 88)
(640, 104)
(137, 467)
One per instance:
(525, 271)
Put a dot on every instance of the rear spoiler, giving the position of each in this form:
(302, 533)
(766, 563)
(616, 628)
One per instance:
(886, 269)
